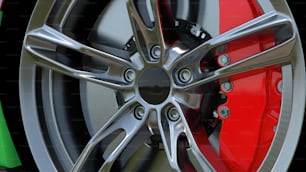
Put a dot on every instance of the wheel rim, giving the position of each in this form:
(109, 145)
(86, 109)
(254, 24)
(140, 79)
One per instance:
(155, 86)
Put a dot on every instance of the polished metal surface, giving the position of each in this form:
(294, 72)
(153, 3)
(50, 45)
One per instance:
(148, 91)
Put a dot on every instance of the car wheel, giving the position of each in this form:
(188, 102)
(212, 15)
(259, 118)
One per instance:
(182, 85)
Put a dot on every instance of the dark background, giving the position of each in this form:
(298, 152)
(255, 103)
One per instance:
(14, 22)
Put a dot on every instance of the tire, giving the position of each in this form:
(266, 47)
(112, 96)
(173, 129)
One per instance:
(16, 16)
(197, 95)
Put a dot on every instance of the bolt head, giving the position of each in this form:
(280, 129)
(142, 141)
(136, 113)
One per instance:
(173, 114)
(155, 52)
(129, 75)
(224, 111)
(185, 75)
(224, 60)
(139, 112)
(227, 86)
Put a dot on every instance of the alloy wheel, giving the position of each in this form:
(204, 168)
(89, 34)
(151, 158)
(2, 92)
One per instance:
(162, 85)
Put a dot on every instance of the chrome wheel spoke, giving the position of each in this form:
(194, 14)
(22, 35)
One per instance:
(207, 159)
(118, 122)
(63, 13)
(43, 43)
(273, 21)
(148, 36)
(172, 132)
(279, 54)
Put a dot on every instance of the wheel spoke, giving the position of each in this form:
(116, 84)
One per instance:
(272, 21)
(206, 158)
(63, 13)
(164, 21)
(118, 122)
(171, 132)
(276, 55)
(44, 42)
(161, 34)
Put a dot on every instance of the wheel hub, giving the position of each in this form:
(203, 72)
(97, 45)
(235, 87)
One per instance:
(154, 85)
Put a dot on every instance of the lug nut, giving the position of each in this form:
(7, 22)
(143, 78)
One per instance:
(155, 52)
(139, 112)
(224, 111)
(129, 75)
(173, 114)
(224, 60)
(185, 75)
(227, 86)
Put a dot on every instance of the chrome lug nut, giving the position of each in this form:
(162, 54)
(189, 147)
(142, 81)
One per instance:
(173, 114)
(224, 60)
(129, 75)
(185, 75)
(227, 86)
(155, 52)
(139, 112)
(224, 111)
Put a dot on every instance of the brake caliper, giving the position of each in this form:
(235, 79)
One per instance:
(250, 114)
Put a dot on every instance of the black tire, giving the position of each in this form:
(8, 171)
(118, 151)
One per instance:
(16, 14)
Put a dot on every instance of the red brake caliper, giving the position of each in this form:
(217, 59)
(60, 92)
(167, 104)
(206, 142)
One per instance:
(254, 99)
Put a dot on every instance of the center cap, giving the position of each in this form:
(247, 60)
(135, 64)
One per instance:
(154, 86)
